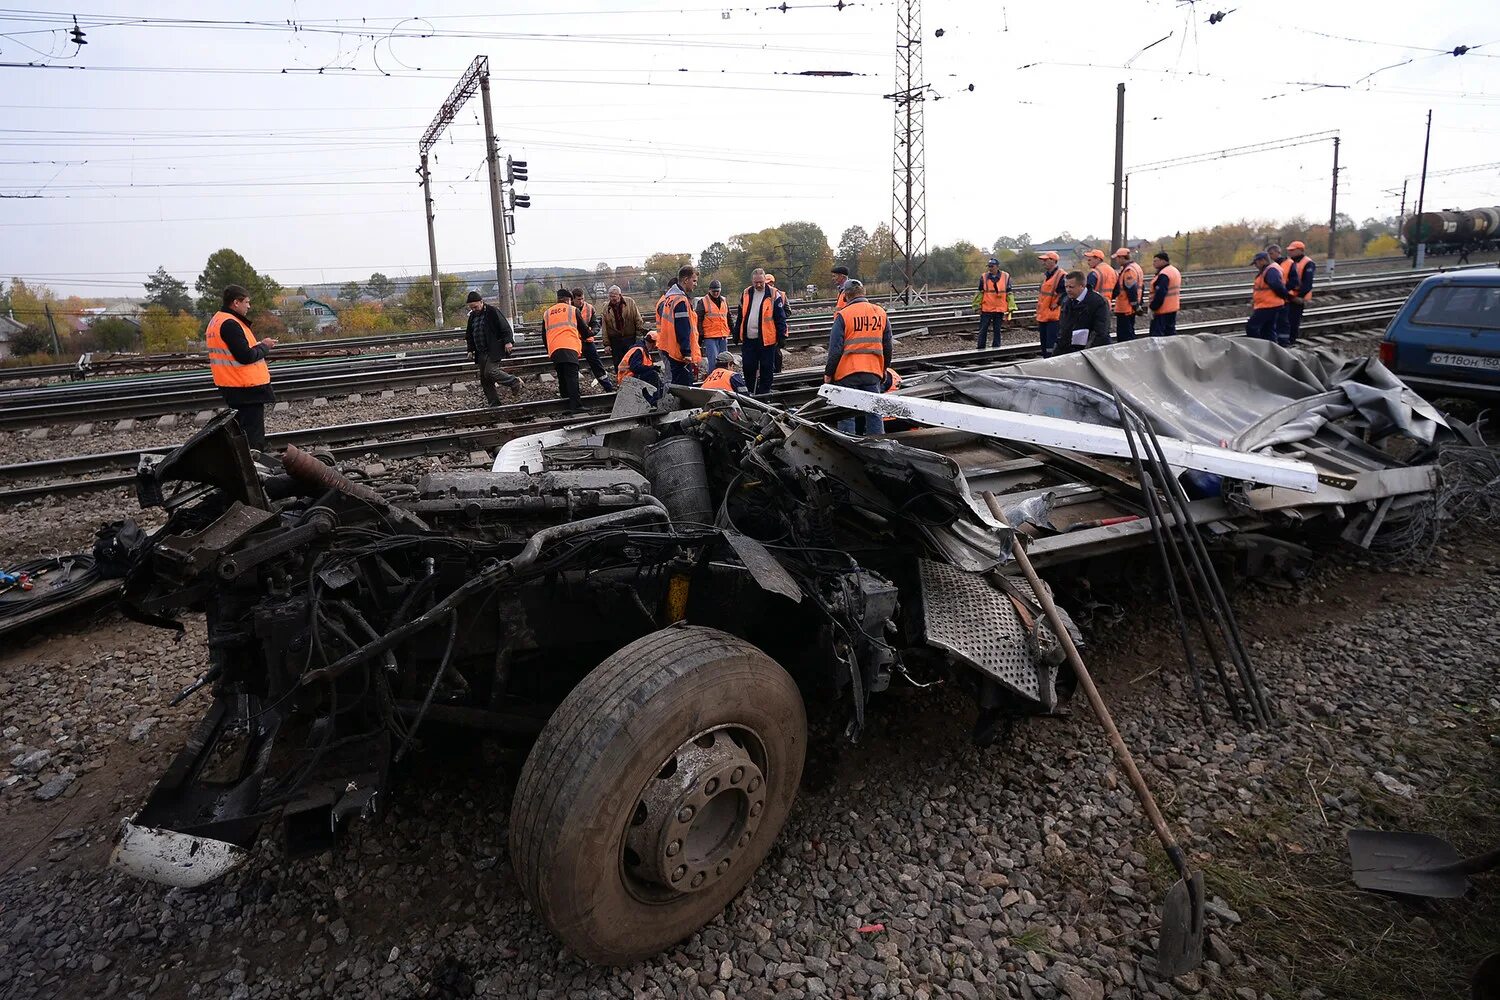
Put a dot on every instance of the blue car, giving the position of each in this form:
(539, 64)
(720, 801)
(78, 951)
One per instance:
(1445, 341)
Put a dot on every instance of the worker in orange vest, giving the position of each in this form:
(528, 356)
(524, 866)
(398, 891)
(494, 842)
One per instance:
(724, 377)
(638, 362)
(1100, 277)
(994, 301)
(1049, 296)
(713, 322)
(588, 326)
(1166, 296)
(1283, 264)
(1129, 280)
(840, 278)
(237, 362)
(677, 327)
(859, 351)
(1299, 286)
(761, 327)
(1267, 299)
(564, 346)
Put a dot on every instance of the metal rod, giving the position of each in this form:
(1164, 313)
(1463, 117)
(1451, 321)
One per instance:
(1417, 230)
(1333, 210)
(437, 287)
(497, 209)
(1114, 219)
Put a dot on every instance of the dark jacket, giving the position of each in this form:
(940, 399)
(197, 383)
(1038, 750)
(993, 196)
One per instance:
(233, 334)
(1091, 314)
(737, 325)
(836, 342)
(489, 333)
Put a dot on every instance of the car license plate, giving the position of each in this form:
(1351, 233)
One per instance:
(1469, 361)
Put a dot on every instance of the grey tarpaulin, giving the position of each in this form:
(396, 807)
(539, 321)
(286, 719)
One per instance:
(1228, 391)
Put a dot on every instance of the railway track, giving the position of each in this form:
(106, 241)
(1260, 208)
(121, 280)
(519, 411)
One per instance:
(131, 398)
(809, 317)
(486, 428)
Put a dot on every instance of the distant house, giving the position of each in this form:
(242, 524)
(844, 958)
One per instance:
(323, 314)
(1069, 252)
(127, 311)
(9, 328)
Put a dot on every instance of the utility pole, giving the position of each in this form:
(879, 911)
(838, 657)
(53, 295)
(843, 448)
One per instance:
(1419, 251)
(909, 184)
(1114, 219)
(1333, 211)
(497, 210)
(1125, 225)
(1402, 217)
(437, 286)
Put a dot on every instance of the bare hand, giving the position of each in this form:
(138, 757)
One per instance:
(269, 342)
(827, 379)
(509, 348)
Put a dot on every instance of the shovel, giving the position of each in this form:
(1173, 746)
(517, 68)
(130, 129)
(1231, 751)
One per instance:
(1413, 864)
(1180, 949)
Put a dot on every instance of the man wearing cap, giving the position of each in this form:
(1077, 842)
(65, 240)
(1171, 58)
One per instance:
(491, 340)
(713, 323)
(1049, 296)
(563, 335)
(1101, 277)
(1267, 299)
(859, 352)
(638, 362)
(1128, 282)
(1166, 295)
(994, 301)
(840, 276)
(724, 377)
(760, 327)
(1299, 286)
(1279, 258)
(677, 327)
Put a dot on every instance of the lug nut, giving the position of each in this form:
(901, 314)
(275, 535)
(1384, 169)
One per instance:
(698, 879)
(738, 776)
(723, 867)
(685, 814)
(755, 808)
(712, 786)
(744, 840)
(673, 848)
(754, 783)
(680, 871)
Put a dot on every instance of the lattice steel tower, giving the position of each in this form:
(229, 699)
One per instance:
(909, 173)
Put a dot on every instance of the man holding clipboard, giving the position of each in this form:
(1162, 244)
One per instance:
(1085, 316)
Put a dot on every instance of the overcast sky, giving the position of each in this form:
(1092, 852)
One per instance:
(198, 140)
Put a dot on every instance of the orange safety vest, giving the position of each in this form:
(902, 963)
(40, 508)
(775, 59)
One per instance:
(226, 371)
(624, 370)
(560, 326)
(864, 340)
(719, 378)
(767, 314)
(1130, 276)
(994, 287)
(715, 318)
(1298, 267)
(841, 303)
(1104, 280)
(1262, 297)
(586, 317)
(1172, 301)
(1049, 297)
(894, 377)
(666, 329)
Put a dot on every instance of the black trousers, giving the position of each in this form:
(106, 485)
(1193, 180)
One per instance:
(491, 373)
(252, 419)
(565, 363)
(1294, 320)
(591, 355)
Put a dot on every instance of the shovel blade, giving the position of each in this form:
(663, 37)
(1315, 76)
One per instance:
(1405, 864)
(1180, 949)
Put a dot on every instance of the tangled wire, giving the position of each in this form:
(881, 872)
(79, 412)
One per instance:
(1468, 494)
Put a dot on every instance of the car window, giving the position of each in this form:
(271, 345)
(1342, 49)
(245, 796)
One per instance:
(1460, 305)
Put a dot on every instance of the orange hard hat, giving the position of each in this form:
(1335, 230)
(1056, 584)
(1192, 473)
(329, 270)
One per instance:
(1122, 252)
(1296, 245)
(1046, 255)
(1096, 254)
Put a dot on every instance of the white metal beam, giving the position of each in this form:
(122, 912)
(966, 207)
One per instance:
(1075, 435)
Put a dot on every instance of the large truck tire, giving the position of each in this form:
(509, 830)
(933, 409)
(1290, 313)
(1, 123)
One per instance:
(655, 791)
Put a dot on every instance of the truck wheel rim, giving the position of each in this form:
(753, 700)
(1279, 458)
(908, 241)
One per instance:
(697, 815)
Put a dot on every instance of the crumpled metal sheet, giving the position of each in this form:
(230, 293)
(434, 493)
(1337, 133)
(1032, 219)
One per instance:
(1227, 391)
(763, 567)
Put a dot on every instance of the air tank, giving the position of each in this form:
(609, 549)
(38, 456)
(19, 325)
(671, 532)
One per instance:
(1438, 227)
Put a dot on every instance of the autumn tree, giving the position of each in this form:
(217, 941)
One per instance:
(225, 268)
(712, 257)
(31, 340)
(662, 268)
(380, 287)
(164, 332)
(112, 333)
(28, 303)
(350, 292)
(851, 244)
(168, 292)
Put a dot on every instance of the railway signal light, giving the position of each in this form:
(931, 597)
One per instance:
(515, 170)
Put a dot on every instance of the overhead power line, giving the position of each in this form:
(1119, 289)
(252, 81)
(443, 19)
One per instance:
(1233, 151)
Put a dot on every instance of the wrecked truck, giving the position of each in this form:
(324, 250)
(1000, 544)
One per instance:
(638, 603)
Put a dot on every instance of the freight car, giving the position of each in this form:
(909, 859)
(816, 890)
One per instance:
(1452, 230)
